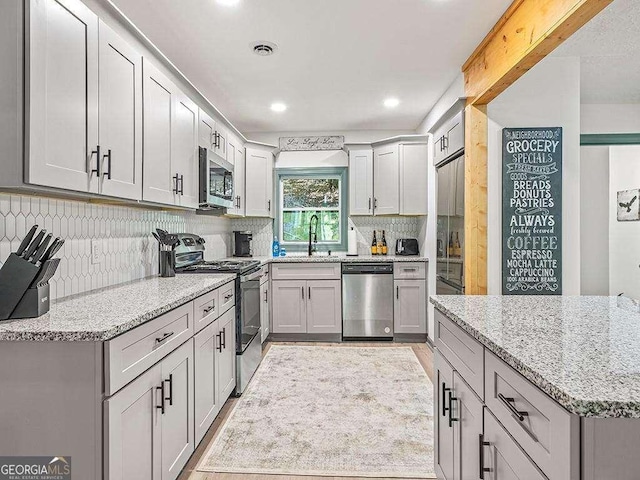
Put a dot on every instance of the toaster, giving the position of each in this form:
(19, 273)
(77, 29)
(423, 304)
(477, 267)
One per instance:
(407, 246)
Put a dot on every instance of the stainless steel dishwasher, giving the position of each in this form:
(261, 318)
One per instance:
(367, 300)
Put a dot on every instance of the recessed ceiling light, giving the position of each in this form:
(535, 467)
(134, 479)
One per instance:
(391, 102)
(228, 3)
(278, 107)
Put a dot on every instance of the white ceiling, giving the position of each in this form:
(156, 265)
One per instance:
(337, 59)
(609, 47)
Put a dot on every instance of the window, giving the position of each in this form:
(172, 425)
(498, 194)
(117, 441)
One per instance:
(302, 194)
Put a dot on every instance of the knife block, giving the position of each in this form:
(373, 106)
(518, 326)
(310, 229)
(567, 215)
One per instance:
(34, 302)
(16, 276)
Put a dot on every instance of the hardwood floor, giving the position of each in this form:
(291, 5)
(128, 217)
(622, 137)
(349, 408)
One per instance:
(422, 351)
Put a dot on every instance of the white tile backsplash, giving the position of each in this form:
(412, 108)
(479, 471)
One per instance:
(394, 227)
(128, 250)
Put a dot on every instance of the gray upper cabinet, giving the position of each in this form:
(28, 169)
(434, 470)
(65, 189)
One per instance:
(62, 77)
(235, 156)
(206, 130)
(159, 100)
(184, 154)
(220, 141)
(361, 182)
(448, 140)
(259, 183)
(386, 186)
(120, 113)
(413, 179)
(177, 411)
(410, 307)
(132, 422)
(324, 306)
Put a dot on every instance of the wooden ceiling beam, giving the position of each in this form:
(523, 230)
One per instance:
(527, 32)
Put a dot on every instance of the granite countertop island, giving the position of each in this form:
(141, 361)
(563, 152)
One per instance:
(103, 314)
(584, 352)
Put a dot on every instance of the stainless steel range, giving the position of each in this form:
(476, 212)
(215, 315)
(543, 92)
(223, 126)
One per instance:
(190, 259)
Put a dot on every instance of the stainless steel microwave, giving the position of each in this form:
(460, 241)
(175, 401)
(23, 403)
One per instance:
(216, 181)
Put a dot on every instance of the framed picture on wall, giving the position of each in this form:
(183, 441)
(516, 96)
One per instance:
(628, 205)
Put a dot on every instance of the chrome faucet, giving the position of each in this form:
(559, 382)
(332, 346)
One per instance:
(315, 233)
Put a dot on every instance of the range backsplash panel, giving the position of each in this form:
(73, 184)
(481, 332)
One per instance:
(127, 251)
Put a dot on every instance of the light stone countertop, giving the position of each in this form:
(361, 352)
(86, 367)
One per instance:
(103, 314)
(584, 352)
(340, 257)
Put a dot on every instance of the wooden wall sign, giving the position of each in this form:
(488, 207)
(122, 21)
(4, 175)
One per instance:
(293, 144)
(532, 211)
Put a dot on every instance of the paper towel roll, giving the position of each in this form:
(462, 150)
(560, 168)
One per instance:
(352, 242)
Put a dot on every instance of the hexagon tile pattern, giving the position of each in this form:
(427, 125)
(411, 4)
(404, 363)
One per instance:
(128, 250)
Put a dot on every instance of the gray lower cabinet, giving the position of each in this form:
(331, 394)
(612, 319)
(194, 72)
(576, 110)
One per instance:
(207, 399)
(467, 424)
(150, 431)
(226, 351)
(410, 306)
(307, 306)
(502, 457)
(444, 448)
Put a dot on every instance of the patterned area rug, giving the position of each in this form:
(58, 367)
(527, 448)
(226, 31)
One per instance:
(331, 410)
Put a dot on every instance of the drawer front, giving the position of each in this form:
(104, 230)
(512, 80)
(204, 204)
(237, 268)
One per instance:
(133, 352)
(205, 309)
(502, 458)
(543, 428)
(463, 352)
(227, 297)
(306, 271)
(409, 270)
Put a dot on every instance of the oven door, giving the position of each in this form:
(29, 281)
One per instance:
(249, 324)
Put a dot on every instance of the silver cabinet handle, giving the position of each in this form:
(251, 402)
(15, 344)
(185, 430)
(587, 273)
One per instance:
(108, 172)
(309, 293)
(369, 203)
(269, 205)
(481, 445)
(519, 415)
(302, 290)
(96, 152)
(398, 293)
(209, 309)
(164, 337)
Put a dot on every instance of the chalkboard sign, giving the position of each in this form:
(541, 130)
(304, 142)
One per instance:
(532, 211)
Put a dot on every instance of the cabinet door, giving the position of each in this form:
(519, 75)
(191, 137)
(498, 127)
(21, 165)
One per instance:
(444, 447)
(386, 180)
(467, 409)
(184, 153)
(413, 179)
(324, 306)
(177, 421)
(259, 183)
(132, 420)
(238, 183)
(289, 306)
(361, 182)
(455, 135)
(503, 458)
(206, 130)
(410, 307)
(439, 146)
(459, 188)
(206, 402)
(63, 95)
(226, 355)
(264, 311)
(444, 175)
(159, 103)
(120, 134)
(220, 141)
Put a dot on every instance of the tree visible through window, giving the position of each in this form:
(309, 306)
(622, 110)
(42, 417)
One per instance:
(301, 198)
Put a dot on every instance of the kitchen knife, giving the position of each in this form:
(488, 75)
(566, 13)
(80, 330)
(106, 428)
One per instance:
(41, 249)
(55, 249)
(34, 245)
(47, 255)
(27, 239)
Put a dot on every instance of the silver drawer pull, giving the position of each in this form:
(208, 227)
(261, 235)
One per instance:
(410, 269)
(164, 337)
(209, 309)
(228, 297)
(519, 415)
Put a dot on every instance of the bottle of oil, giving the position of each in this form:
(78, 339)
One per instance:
(385, 249)
(374, 244)
(450, 249)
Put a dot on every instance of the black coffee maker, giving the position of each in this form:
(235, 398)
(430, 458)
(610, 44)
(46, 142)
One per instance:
(242, 244)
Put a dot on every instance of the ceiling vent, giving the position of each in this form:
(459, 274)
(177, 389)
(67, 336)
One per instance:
(264, 49)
